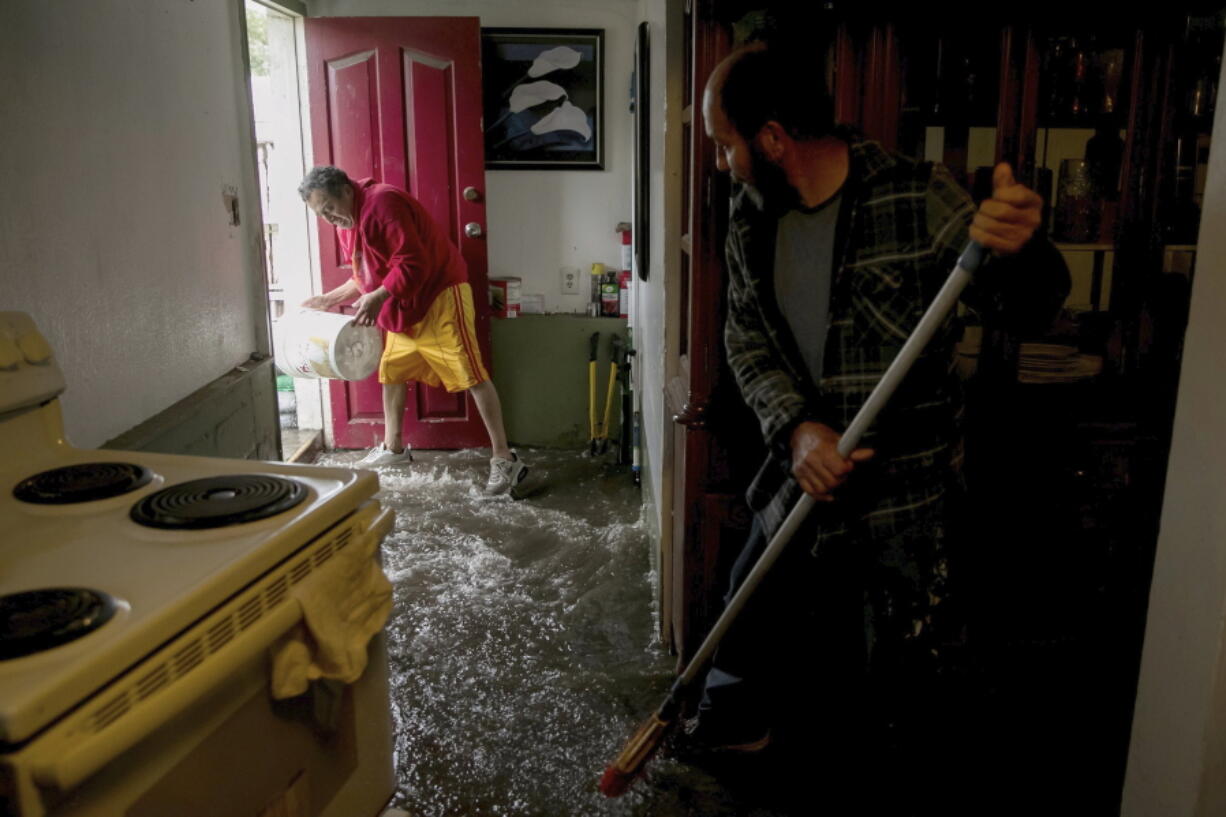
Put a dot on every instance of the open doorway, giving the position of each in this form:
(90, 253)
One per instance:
(274, 50)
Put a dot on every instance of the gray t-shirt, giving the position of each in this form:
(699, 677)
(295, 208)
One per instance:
(804, 260)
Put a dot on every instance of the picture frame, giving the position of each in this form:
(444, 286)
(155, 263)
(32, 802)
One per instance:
(543, 94)
(642, 150)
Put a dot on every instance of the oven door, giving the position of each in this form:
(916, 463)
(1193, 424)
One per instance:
(193, 730)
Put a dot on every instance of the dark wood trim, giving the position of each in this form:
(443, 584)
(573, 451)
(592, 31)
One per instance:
(1011, 80)
(847, 70)
(700, 472)
(1029, 117)
(891, 88)
(882, 93)
(1150, 138)
(1136, 85)
(1018, 107)
(708, 222)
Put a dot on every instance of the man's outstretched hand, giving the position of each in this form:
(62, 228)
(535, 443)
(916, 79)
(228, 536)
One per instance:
(1006, 221)
(367, 307)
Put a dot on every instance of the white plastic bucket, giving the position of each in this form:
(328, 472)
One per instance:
(310, 343)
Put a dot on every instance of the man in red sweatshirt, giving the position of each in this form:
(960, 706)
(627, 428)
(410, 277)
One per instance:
(411, 282)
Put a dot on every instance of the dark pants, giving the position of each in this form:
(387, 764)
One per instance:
(849, 636)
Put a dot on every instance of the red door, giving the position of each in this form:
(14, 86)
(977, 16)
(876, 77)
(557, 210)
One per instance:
(398, 99)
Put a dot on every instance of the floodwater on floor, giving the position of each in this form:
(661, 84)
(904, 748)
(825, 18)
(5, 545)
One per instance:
(523, 643)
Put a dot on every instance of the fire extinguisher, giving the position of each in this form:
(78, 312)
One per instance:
(624, 277)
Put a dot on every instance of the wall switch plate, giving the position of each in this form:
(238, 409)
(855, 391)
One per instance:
(570, 281)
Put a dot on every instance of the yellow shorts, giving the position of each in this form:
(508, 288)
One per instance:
(443, 351)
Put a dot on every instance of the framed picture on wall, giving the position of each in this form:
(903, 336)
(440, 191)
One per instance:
(544, 98)
(642, 150)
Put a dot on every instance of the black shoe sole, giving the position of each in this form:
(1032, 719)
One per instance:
(515, 491)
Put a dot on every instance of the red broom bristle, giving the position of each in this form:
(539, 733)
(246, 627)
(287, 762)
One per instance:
(614, 782)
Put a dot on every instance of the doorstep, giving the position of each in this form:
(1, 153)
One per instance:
(301, 444)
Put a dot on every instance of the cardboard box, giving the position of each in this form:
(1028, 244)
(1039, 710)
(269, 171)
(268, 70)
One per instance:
(504, 297)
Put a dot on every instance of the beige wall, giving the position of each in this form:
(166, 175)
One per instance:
(1177, 760)
(122, 123)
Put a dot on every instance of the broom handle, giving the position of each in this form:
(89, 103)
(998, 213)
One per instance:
(937, 311)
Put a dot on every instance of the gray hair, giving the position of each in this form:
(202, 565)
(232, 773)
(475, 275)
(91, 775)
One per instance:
(331, 180)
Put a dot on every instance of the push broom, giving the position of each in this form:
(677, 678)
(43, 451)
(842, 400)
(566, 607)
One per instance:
(643, 743)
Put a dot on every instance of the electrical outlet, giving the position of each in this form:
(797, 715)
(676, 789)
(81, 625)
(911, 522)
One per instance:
(570, 281)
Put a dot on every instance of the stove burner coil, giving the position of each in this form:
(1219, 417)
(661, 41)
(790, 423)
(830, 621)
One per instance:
(218, 501)
(38, 620)
(82, 483)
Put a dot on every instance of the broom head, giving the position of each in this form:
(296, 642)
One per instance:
(634, 756)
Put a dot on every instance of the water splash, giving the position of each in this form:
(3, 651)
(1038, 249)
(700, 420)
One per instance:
(523, 642)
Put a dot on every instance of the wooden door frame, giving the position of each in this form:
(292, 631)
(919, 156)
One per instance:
(700, 503)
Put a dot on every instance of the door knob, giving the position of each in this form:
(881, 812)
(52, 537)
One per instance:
(472, 229)
(471, 194)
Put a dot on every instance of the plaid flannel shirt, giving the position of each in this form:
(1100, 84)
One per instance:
(902, 225)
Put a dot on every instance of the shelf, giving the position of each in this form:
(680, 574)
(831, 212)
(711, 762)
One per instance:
(1065, 246)
(1070, 124)
(1058, 125)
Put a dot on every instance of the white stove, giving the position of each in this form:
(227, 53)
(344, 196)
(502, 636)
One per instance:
(139, 596)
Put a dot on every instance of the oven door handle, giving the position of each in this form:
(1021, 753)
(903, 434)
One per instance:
(77, 747)
(383, 524)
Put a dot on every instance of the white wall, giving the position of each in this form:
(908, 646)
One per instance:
(122, 123)
(651, 334)
(542, 221)
(1177, 759)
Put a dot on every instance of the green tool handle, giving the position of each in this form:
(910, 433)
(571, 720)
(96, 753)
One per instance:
(608, 401)
(591, 397)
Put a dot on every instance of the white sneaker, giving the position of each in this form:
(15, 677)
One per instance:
(505, 474)
(381, 455)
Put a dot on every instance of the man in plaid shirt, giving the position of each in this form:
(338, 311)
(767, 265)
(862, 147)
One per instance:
(834, 250)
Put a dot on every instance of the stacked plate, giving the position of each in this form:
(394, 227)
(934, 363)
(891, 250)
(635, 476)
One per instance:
(1055, 363)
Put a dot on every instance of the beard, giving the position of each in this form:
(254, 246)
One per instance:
(772, 183)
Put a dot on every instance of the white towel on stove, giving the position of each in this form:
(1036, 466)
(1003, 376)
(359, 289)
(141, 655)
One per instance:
(345, 602)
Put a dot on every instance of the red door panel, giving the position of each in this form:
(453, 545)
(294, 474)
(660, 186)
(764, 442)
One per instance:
(353, 114)
(398, 99)
(431, 145)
